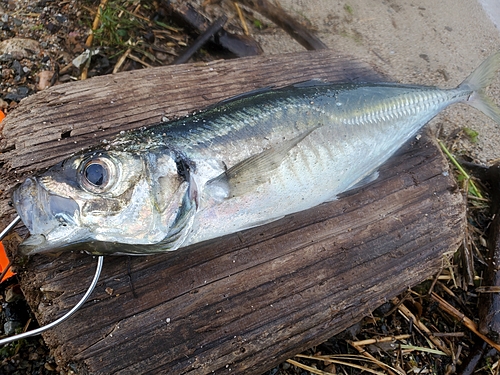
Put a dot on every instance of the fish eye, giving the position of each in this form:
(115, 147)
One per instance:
(96, 174)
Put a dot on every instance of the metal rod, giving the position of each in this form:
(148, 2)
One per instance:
(37, 331)
(9, 227)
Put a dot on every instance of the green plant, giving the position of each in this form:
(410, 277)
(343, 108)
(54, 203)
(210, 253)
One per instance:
(348, 9)
(118, 26)
(472, 134)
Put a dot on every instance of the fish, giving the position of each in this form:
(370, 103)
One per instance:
(242, 163)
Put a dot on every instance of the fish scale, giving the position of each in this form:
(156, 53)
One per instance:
(242, 163)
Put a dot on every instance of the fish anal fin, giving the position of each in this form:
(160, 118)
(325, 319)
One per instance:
(364, 181)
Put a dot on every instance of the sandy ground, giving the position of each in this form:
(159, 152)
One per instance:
(421, 42)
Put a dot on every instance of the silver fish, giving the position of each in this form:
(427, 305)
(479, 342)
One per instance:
(245, 162)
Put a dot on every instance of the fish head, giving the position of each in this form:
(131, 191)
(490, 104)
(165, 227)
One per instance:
(100, 198)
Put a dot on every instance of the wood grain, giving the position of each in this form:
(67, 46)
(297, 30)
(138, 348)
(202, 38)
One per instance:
(248, 301)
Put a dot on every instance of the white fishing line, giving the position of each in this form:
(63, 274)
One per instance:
(37, 331)
(9, 227)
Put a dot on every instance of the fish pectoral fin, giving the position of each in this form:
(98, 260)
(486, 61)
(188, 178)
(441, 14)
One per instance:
(245, 176)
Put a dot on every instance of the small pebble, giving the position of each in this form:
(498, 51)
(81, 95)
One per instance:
(10, 327)
(20, 48)
(44, 78)
(161, 56)
(49, 367)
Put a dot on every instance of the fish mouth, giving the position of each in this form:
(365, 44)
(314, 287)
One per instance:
(52, 220)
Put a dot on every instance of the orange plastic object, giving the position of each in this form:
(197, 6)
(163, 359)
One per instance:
(2, 115)
(4, 263)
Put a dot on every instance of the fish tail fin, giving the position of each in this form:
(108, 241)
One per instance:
(478, 81)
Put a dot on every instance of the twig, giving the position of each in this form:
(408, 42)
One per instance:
(449, 266)
(135, 58)
(422, 328)
(201, 40)
(378, 340)
(66, 68)
(468, 259)
(90, 38)
(95, 24)
(332, 359)
(434, 281)
(451, 368)
(364, 353)
(242, 19)
(396, 302)
(488, 289)
(25, 328)
(446, 290)
(121, 60)
(308, 368)
(465, 320)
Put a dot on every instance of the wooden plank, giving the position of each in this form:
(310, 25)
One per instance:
(250, 300)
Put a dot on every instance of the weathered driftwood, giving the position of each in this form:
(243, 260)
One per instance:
(291, 26)
(186, 14)
(243, 303)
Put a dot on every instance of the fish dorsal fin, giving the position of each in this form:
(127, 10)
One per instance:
(315, 82)
(244, 95)
(245, 176)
